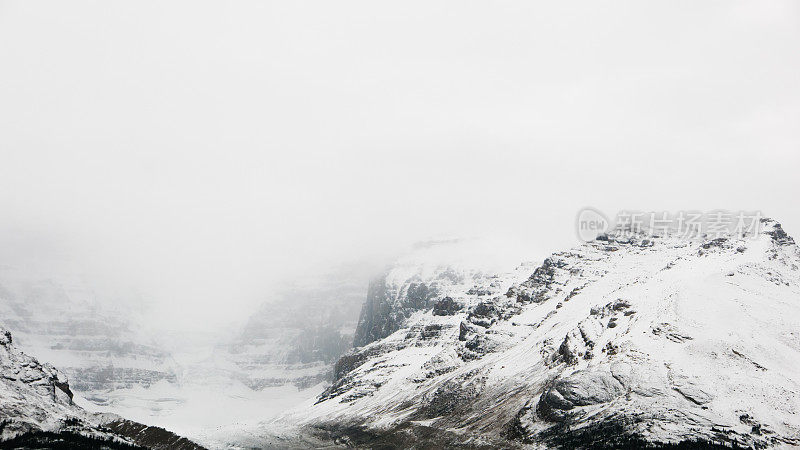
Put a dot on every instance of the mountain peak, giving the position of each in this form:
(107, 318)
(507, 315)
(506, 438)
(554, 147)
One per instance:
(659, 337)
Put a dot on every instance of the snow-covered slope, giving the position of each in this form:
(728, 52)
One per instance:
(34, 396)
(624, 338)
(37, 411)
(101, 348)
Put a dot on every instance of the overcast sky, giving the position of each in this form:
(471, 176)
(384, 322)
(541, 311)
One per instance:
(205, 150)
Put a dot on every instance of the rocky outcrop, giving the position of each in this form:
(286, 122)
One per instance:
(151, 437)
(415, 285)
(388, 306)
(446, 307)
(33, 396)
(378, 318)
(581, 388)
(776, 232)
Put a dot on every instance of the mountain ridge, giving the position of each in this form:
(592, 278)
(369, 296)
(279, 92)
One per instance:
(666, 340)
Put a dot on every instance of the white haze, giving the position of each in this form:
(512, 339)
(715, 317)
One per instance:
(202, 153)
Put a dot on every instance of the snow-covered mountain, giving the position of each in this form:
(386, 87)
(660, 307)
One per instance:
(97, 342)
(37, 411)
(625, 339)
(295, 338)
(34, 396)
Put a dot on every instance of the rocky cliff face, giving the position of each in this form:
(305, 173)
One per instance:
(626, 340)
(389, 304)
(416, 282)
(34, 396)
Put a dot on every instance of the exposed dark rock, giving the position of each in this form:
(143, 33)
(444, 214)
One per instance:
(417, 295)
(446, 307)
(377, 319)
(407, 436)
(483, 314)
(580, 341)
(582, 388)
(779, 236)
(478, 291)
(535, 289)
(382, 314)
(463, 331)
(155, 438)
(718, 242)
(615, 434)
(670, 332)
(448, 398)
(65, 440)
(713, 245)
(348, 362)
(343, 377)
